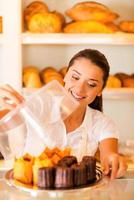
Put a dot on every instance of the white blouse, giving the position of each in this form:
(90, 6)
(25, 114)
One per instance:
(96, 127)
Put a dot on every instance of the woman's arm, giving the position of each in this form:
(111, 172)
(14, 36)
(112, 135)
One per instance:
(111, 161)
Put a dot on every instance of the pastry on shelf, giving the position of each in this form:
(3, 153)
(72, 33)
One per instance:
(48, 74)
(32, 80)
(61, 16)
(112, 26)
(0, 24)
(29, 69)
(63, 71)
(34, 7)
(44, 23)
(113, 82)
(127, 26)
(91, 11)
(128, 82)
(87, 27)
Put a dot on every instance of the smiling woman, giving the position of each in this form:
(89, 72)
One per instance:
(87, 128)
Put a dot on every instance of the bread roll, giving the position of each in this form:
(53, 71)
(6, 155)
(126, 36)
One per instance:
(91, 11)
(55, 76)
(32, 80)
(63, 71)
(127, 26)
(128, 82)
(44, 23)
(113, 82)
(34, 7)
(29, 69)
(0, 24)
(87, 27)
(46, 72)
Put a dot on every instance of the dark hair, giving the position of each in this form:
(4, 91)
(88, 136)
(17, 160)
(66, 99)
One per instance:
(100, 60)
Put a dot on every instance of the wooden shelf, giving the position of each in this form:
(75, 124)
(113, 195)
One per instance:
(1, 38)
(119, 38)
(108, 93)
(119, 93)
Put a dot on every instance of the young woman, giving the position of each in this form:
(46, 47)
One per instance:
(87, 128)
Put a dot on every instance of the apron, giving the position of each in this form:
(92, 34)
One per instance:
(82, 148)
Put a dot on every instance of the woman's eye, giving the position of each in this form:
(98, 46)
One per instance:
(75, 77)
(91, 85)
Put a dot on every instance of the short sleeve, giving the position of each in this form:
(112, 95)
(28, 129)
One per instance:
(108, 129)
(104, 127)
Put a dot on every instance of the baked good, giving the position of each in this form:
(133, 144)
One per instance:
(23, 170)
(29, 69)
(128, 82)
(44, 23)
(91, 11)
(67, 161)
(34, 7)
(90, 164)
(80, 177)
(0, 24)
(127, 26)
(63, 177)
(63, 71)
(46, 177)
(113, 82)
(47, 71)
(61, 16)
(1, 156)
(32, 80)
(87, 27)
(112, 26)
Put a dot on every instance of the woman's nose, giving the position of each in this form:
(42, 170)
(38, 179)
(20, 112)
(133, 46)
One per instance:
(81, 87)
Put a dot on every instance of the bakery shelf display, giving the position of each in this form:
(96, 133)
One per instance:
(119, 38)
(119, 93)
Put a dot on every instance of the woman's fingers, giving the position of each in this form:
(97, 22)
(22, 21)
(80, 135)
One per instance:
(5, 105)
(122, 167)
(9, 88)
(114, 166)
(10, 96)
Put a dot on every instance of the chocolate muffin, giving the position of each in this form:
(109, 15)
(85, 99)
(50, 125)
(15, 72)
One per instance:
(90, 163)
(63, 177)
(1, 156)
(79, 174)
(67, 161)
(46, 176)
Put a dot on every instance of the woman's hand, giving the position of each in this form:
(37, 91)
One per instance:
(9, 98)
(114, 165)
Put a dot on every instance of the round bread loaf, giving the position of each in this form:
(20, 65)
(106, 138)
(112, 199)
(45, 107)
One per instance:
(45, 23)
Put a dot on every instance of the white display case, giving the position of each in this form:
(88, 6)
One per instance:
(19, 49)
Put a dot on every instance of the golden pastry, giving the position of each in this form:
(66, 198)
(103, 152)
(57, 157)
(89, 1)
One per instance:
(23, 171)
(87, 27)
(63, 71)
(44, 23)
(0, 24)
(128, 82)
(32, 80)
(34, 7)
(91, 11)
(30, 69)
(113, 82)
(127, 26)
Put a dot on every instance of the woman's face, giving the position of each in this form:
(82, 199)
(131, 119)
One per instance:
(84, 81)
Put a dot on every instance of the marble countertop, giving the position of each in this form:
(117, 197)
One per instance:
(118, 189)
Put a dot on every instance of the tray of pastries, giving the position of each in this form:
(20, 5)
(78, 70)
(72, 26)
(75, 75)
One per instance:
(54, 170)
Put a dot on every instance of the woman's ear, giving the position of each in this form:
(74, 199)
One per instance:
(99, 94)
